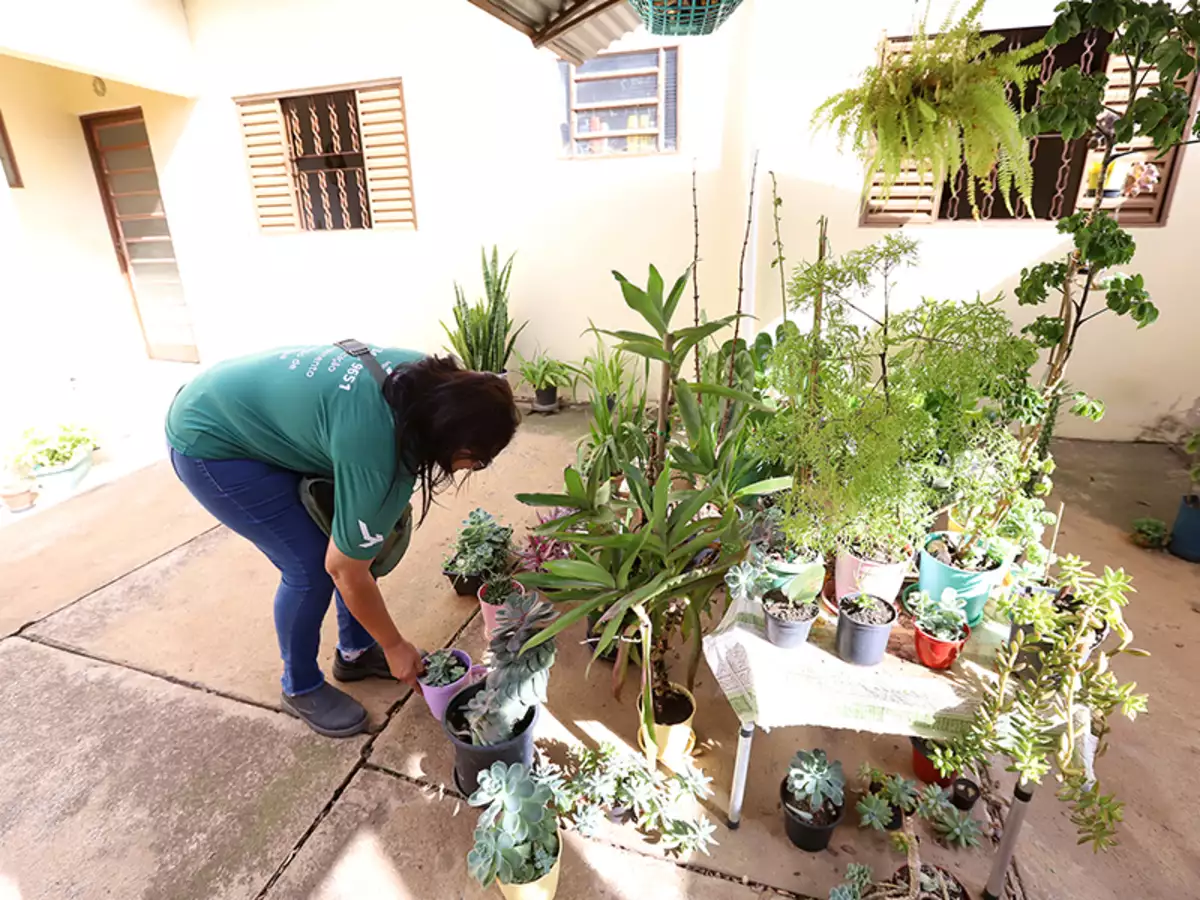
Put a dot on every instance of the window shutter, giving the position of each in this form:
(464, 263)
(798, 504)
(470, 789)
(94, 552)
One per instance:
(270, 165)
(1146, 208)
(385, 150)
(914, 197)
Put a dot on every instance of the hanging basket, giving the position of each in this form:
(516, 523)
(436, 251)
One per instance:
(684, 17)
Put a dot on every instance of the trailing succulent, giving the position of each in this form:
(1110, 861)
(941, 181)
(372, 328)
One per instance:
(942, 103)
(517, 681)
(608, 780)
(442, 668)
(814, 780)
(484, 546)
(516, 839)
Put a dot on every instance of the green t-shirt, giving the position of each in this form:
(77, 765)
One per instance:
(313, 410)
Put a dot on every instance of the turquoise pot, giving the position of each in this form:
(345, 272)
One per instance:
(973, 587)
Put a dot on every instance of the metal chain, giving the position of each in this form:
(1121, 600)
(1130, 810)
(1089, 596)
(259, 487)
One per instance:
(343, 200)
(334, 130)
(324, 182)
(297, 148)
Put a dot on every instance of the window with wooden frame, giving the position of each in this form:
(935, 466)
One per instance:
(8, 162)
(330, 160)
(622, 104)
(1065, 174)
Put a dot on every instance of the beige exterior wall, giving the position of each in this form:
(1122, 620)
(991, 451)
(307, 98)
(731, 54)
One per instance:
(483, 111)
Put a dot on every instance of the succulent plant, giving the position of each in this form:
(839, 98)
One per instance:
(442, 668)
(517, 681)
(874, 812)
(944, 619)
(858, 880)
(900, 792)
(483, 546)
(813, 779)
(516, 839)
(957, 827)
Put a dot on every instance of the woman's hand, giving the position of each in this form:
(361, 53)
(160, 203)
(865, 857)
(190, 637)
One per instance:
(405, 662)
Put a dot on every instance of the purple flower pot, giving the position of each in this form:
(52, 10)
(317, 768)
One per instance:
(438, 698)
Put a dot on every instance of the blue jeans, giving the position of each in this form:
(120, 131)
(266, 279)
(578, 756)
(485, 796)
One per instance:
(262, 504)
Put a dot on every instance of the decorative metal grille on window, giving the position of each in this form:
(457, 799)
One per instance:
(332, 160)
(622, 104)
(1065, 174)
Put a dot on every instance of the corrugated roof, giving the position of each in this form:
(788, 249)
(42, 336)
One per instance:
(576, 30)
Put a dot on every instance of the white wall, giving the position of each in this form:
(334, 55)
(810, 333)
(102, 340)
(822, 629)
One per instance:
(483, 112)
(143, 42)
(1142, 375)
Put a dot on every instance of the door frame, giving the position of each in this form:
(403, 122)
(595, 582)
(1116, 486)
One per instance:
(128, 114)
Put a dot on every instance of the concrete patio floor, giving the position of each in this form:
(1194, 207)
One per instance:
(143, 755)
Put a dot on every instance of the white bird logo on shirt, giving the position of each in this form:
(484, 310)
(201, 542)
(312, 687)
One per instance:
(370, 540)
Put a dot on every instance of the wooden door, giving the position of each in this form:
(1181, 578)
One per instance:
(129, 189)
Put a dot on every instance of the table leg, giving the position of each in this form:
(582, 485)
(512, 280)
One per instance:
(1022, 794)
(741, 767)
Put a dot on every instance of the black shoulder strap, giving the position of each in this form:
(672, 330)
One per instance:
(362, 352)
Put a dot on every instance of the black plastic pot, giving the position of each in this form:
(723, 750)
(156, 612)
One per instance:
(805, 835)
(611, 401)
(464, 585)
(863, 645)
(964, 793)
(470, 760)
(545, 399)
(783, 633)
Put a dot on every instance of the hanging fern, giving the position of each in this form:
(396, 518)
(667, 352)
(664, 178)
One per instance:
(943, 105)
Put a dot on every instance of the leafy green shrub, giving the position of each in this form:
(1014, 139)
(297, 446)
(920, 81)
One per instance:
(483, 547)
(48, 448)
(544, 371)
(1151, 533)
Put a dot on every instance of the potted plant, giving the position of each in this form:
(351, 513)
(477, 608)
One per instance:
(493, 720)
(950, 561)
(545, 375)
(864, 626)
(887, 800)
(18, 493)
(940, 628)
(518, 845)
(1185, 533)
(609, 783)
(58, 458)
(813, 797)
(944, 103)
(482, 549)
(1150, 533)
(964, 793)
(446, 673)
(876, 549)
(923, 752)
(789, 621)
(483, 335)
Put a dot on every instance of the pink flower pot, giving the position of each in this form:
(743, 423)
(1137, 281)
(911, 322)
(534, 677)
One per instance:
(438, 698)
(491, 611)
(852, 575)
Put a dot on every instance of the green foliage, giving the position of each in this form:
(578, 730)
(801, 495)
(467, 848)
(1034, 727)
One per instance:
(1193, 448)
(442, 668)
(483, 335)
(944, 618)
(957, 828)
(874, 812)
(1151, 533)
(544, 371)
(1055, 692)
(45, 448)
(483, 547)
(858, 880)
(944, 104)
(517, 679)
(608, 779)
(814, 780)
(516, 839)
(900, 792)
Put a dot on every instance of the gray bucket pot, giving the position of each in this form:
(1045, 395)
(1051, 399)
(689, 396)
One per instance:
(863, 645)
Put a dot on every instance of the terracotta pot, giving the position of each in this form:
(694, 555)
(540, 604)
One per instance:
(855, 575)
(935, 653)
(19, 499)
(491, 610)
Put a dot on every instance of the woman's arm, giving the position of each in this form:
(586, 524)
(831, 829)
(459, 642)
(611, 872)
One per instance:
(362, 597)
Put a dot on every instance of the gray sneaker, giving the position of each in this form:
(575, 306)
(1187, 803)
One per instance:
(327, 711)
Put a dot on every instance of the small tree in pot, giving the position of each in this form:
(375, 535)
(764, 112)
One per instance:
(813, 797)
(545, 375)
(493, 720)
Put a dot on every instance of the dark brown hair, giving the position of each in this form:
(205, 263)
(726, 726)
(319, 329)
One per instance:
(442, 409)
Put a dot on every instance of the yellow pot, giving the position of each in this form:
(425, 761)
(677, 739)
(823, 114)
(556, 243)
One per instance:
(673, 743)
(953, 525)
(543, 889)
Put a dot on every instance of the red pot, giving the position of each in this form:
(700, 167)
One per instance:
(937, 654)
(926, 771)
